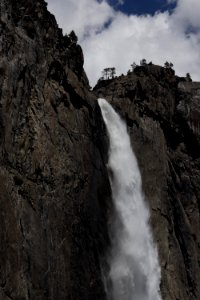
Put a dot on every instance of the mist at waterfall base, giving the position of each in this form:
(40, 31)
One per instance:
(133, 260)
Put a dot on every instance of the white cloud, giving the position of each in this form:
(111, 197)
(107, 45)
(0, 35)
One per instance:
(188, 13)
(85, 17)
(111, 38)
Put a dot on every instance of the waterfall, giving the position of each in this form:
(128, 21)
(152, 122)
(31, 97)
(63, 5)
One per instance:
(133, 260)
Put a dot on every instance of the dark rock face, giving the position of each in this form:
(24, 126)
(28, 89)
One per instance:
(53, 180)
(163, 117)
(54, 188)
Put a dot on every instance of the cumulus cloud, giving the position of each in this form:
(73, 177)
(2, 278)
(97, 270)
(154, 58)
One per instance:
(111, 38)
(187, 13)
(85, 17)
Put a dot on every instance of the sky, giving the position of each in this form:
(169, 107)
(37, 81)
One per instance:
(116, 33)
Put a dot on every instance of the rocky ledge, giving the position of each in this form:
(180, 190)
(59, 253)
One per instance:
(162, 112)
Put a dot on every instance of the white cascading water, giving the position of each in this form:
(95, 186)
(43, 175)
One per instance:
(134, 266)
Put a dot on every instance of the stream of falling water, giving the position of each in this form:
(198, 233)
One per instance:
(133, 261)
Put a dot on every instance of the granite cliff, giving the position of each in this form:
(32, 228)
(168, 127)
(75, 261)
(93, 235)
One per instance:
(162, 112)
(54, 188)
(53, 179)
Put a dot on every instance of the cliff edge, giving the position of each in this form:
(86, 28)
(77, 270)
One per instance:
(162, 112)
(53, 179)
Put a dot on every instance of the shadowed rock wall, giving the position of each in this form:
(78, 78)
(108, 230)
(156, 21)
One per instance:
(162, 113)
(53, 181)
(54, 189)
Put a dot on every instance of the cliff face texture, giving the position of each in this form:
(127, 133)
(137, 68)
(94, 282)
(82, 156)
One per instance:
(53, 179)
(54, 188)
(162, 113)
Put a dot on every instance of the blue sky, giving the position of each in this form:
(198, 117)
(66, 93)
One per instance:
(141, 7)
(116, 33)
